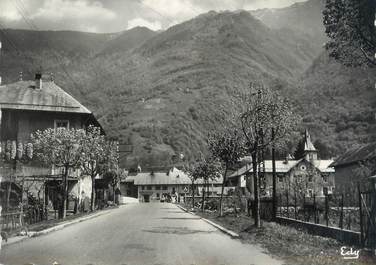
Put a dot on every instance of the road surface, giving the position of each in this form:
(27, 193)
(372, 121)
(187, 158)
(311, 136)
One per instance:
(136, 234)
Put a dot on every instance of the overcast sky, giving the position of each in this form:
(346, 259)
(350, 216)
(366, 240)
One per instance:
(115, 15)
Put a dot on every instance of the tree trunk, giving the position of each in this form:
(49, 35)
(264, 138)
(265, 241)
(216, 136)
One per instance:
(113, 190)
(222, 189)
(256, 204)
(203, 198)
(9, 189)
(65, 193)
(92, 203)
(193, 195)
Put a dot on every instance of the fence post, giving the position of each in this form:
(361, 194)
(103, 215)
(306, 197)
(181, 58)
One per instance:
(296, 214)
(287, 202)
(314, 209)
(360, 215)
(280, 206)
(304, 209)
(341, 216)
(327, 210)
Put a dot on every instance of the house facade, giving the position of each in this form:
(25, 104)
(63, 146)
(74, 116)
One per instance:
(25, 107)
(308, 175)
(172, 185)
(353, 167)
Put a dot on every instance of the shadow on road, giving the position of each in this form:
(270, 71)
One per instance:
(176, 230)
(180, 218)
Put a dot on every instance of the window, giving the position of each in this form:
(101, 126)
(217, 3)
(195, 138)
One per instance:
(280, 178)
(142, 187)
(164, 187)
(325, 190)
(61, 124)
(310, 193)
(310, 178)
(325, 178)
(157, 187)
(149, 187)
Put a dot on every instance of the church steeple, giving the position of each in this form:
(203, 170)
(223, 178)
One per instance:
(310, 152)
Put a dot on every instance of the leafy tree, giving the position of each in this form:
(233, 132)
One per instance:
(114, 177)
(189, 169)
(228, 146)
(206, 169)
(299, 150)
(98, 157)
(266, 121)
(61, 148)
(350, 27)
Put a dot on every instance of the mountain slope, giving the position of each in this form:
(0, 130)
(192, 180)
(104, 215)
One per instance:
(162, 92)
(303, 19)
(128, 40)
(339, 104)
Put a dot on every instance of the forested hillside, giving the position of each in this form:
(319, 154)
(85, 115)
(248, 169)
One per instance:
(162, 91)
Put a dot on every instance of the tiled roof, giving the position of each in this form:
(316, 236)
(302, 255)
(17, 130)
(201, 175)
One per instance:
(283, 167)
(24, 96)
(362, 153)
(174, 177)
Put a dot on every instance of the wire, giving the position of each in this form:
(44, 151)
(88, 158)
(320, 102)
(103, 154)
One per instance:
(22, 10)
(6, 36)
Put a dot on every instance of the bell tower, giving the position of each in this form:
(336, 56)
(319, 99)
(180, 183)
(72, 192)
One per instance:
(310, 152)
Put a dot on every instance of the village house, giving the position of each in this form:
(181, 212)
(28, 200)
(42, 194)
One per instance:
(25, 107)
(309, 175)
(354, 166)
(171, 185)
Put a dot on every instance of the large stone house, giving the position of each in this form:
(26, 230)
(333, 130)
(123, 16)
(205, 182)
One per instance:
(309, 175)
(355, 166)
(173, 184)
(25, 107)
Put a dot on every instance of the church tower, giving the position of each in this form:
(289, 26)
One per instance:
(310, 152)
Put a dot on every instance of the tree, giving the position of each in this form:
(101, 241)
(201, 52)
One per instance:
(207, 169)
(189, 169)
(61, 148)
(350, 27)
(266, 121)
(99, 156)
(228, 146)
(114, 177)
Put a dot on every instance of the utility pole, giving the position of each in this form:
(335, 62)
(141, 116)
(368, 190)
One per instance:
(1, 239)
(274, 179)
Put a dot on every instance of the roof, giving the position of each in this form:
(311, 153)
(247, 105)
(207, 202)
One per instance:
(357, 154)
(23, 95)
(282, 166)
(174, 177)
(308, 145)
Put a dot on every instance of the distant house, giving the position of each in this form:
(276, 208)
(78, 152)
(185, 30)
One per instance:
(25, 107)
(173, 184)
(353, 165)
(313, 176)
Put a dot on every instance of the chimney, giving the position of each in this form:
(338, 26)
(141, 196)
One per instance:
(38, 80)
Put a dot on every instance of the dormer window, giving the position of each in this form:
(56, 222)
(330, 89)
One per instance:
(61, 124)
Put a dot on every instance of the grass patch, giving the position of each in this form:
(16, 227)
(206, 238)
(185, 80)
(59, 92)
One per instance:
(294, 247)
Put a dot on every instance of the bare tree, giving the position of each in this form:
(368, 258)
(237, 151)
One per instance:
(266, 120)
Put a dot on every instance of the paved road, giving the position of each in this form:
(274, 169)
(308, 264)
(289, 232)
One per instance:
(141, 234)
